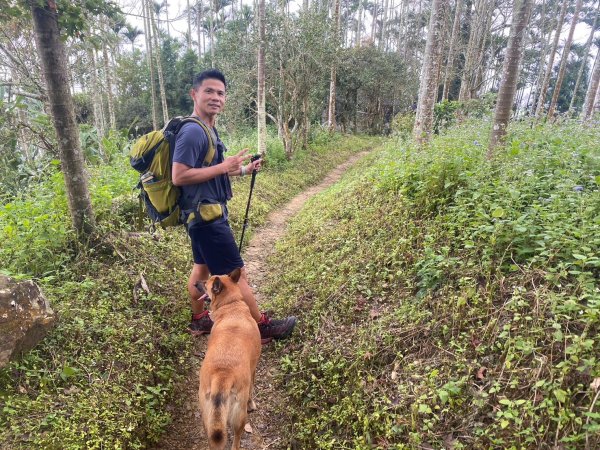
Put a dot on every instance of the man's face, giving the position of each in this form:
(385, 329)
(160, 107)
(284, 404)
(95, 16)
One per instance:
(209, 97)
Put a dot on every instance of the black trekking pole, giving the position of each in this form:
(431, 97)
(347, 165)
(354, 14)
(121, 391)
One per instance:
(245, 225)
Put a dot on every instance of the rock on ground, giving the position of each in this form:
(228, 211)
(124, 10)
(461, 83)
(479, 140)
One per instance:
(25, 317)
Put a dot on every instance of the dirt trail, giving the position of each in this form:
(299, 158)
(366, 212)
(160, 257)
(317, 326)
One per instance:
(186, 432)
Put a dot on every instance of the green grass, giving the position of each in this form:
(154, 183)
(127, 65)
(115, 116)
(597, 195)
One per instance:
(446, 299)
(103, 376)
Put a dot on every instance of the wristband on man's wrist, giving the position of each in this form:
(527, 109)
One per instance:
(243, 171)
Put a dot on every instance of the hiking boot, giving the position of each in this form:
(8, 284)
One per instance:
(275, 329)
(200, 324)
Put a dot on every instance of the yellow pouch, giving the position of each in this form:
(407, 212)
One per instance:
(162, 194)
(210, 211)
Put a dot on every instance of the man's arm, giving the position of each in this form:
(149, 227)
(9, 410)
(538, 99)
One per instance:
(184, 174)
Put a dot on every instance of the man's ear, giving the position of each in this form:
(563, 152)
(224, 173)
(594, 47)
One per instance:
(235, 275)
(217, 286)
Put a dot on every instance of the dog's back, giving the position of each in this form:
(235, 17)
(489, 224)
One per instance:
(227, 372)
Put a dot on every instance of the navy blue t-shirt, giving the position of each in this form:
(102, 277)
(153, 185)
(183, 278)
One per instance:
(191, 146)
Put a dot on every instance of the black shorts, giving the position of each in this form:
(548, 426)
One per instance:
(213, 244)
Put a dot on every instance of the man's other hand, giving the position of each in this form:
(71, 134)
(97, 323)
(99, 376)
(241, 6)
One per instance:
(233, 164)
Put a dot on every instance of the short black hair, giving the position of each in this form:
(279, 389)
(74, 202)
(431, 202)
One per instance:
(209, 74)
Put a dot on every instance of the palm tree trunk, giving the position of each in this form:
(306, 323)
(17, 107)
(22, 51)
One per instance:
(189, 24)
(382, 36)
(429, 81)
(453, 39)
(199, 27)
(54, 62)
(332, 80)
(262, 117)
(466, 81)
(108, 81)
(158, 55)
(586, 52)
(148, 36)
(590, 96)
(212, 34)
(510, 74)
(537, 85)
(358, 25)
(96, 97)
(546, 81)
(374, 21)
(564, 59)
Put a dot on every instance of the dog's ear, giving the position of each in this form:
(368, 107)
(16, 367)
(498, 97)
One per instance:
(199, 285)
(217, 286)
(235, 275)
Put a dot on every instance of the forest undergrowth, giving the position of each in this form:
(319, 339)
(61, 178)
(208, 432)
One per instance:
(448, 301)
(103, 377)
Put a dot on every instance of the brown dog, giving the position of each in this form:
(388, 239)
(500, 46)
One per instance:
(228, 370)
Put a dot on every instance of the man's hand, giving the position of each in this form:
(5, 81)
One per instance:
(233, 164)
(254, 165)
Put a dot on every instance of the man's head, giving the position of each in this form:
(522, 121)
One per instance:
(208, 93)
(210, 74)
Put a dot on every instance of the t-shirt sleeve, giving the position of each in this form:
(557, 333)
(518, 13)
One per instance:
(191, 145)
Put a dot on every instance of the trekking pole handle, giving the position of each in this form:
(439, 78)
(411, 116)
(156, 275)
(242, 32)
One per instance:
(254, 158)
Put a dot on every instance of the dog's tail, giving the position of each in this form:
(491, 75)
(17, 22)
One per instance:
(218, 403)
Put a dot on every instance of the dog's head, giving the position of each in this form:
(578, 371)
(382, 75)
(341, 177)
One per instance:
(223, 289)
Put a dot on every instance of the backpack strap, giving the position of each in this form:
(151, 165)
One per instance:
(210, 154)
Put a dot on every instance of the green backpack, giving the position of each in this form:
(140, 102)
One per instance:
(152, 157)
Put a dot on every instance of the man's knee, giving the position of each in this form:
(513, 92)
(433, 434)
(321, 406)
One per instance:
(199, 273)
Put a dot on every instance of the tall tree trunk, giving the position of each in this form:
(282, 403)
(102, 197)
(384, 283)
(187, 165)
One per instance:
(148, 36)
(429, 82)
(161, 82)
(480, 52)
(359, 24)
(476, 35)
(382, 36)
(96, 95)
(564, 59)
(23, 136)
(374, 20)
(199, 28)
(108, 80)
(212, 33)
(537, 85)
(590, 96)
(596, 108)
(332, 80)
(54, 62)
(166, 18)
(510, 74)
(262, 117)
(586, 52)
(189, 24)
(453, 40)
(546, 81)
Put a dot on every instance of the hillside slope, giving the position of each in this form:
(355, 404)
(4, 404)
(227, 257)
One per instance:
(447, 301)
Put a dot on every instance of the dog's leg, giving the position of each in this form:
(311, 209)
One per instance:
(239, 421)
(251, 404)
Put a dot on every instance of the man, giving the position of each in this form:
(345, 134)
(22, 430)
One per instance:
(205, 190)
